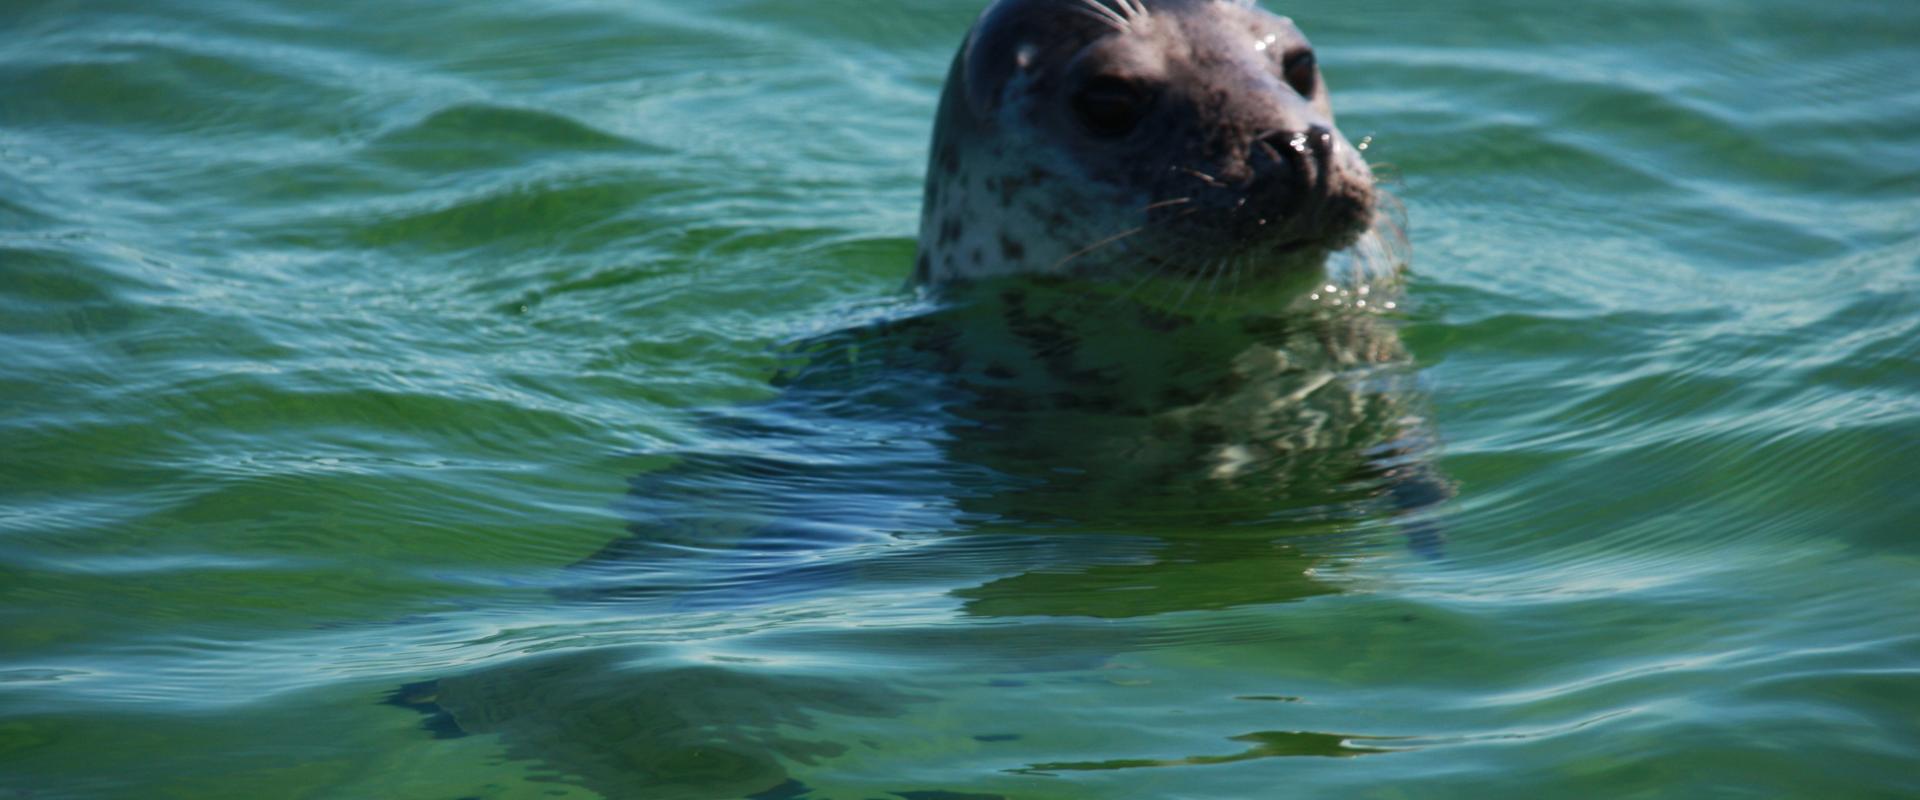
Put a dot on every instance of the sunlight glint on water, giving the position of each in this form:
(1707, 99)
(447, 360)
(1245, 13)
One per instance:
(446, 402)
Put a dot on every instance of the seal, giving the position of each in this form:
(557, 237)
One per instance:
(1064, 444)
(1095, 164)
(1112, 138)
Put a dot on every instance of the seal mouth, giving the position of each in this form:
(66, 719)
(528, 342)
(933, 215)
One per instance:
(1285, 215)
(1329, 224)
(1182, 237)
(1290, 246)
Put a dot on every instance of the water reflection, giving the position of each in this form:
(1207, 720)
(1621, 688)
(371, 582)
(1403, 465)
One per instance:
(947, 498)
(616, 720)
(1185, 576)
(1266, 744)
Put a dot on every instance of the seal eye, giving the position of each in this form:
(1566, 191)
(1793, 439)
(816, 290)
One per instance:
(1110, 107)
(1300, 70)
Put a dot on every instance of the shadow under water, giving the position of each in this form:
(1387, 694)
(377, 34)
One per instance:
(943, 499)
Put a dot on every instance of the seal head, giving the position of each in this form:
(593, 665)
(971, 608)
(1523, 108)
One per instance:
(1112, 138)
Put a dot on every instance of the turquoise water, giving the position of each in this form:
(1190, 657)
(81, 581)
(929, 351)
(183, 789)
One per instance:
(394, 408)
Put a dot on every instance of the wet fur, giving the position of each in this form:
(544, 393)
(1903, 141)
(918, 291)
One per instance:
(1201, 189)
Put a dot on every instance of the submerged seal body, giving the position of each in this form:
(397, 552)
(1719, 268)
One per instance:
(1112, 138)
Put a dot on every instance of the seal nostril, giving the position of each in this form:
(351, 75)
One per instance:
(1283, 149)
(1322, 137)
(1321, 140)
(1293, 159)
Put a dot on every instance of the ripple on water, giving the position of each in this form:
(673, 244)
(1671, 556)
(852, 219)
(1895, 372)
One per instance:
(345, 363)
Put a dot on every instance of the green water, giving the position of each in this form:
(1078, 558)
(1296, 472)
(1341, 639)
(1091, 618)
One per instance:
(389, 411)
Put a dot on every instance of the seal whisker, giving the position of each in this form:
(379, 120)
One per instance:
(1099, 10)
(1217, 269)
(1134, 231)
(1268, 149)
(1167, 203)
(1158, 267)
(1097, 245)
(1193, 284)
(1146, 276)
(1208, 179)
(1160, 262)
(1100, 18)
(1213, 284)
(1388, 235)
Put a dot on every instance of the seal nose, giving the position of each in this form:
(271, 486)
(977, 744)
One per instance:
(1320, 140)
(1296, 160)
(1289, 173)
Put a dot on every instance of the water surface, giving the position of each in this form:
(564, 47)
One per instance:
(393, 408)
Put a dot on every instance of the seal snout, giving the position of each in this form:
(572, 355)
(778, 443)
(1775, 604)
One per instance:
(1298, 191)
(1292, 164)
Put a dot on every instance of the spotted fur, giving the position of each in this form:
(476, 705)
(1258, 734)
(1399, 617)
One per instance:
(1184, 300)
(1233, 170)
